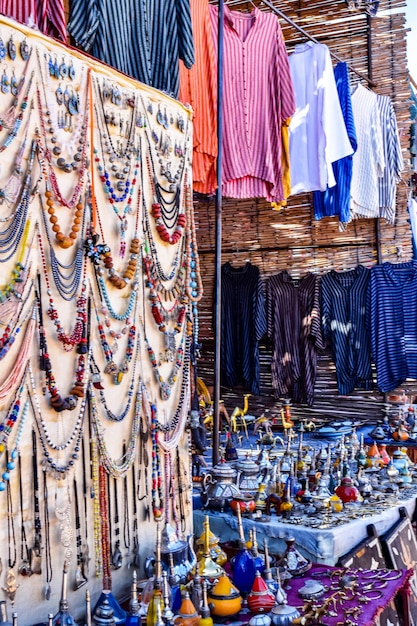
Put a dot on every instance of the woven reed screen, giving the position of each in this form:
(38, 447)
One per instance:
(291, 239)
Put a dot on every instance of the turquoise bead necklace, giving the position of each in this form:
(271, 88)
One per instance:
(6, 428)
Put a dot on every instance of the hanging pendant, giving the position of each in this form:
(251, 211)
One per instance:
(165, 390)
(170, 347)
(80, 581)
(11, 48)
(47, 591)
(24, 50)
(71, 71)
(51, 67)
(63, 70)
(11, 585)
(5, 85)
(14, 85)
(59, 94)
(2, 49)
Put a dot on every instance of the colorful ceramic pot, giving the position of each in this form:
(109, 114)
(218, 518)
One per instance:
(224, 598)
(260, 598)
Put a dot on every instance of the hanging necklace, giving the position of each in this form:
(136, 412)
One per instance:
(77, 338)
(48, 557)
(166, 207)
(72, 444)
(49, 171)
(11, 586)
(157, 492)
(24, 566)
(35, 561)
(11, 189)
(109, 413)
(95, 495)
(119, 468)
(80, 580)
(6, 429)
(122, 188)
(78, 220)
(16, 375)
(57, 402)
(102, 253)
(12, 235)
(67, 276)
(111, 368)
(165, 386)
(194, 283)
(63, 514)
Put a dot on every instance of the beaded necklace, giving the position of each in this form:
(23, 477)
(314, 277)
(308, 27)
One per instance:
(72, 444)
(57, 402)
(49, 171)
(116, 468)
(67, 276)
(102, 252)
(111, 368)
(174, 429)
(95, 494)
(19, 272)
(77, 338)
(6, 428)
(12, 235)
(14, 326)
(165, 386)
(12, 187)
(122, 189)
(109, 413)
(19, 366)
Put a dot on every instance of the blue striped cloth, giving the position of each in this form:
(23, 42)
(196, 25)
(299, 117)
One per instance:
(343, 303)
(142, 38)
(392, 322)
(336, 200)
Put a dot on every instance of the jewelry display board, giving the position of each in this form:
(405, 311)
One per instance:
(99, 288)
(401, 547)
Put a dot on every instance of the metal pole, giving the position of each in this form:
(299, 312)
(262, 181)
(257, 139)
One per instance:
(218, 241)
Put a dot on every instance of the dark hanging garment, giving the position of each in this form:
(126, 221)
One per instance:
(294, 327)
(343, 313)
(142, 38)
(243, 324)
(392, 322)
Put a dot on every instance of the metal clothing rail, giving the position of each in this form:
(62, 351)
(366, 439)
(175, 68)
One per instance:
(301, 30)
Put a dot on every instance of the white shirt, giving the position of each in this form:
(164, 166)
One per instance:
(368, 160)
(318, 134)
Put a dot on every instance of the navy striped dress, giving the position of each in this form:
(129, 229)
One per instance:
(243, 324)
(294, 326)
(392, 322)
(343, 303)
(142, 38)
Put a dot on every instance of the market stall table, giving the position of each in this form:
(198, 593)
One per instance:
(324, 544)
